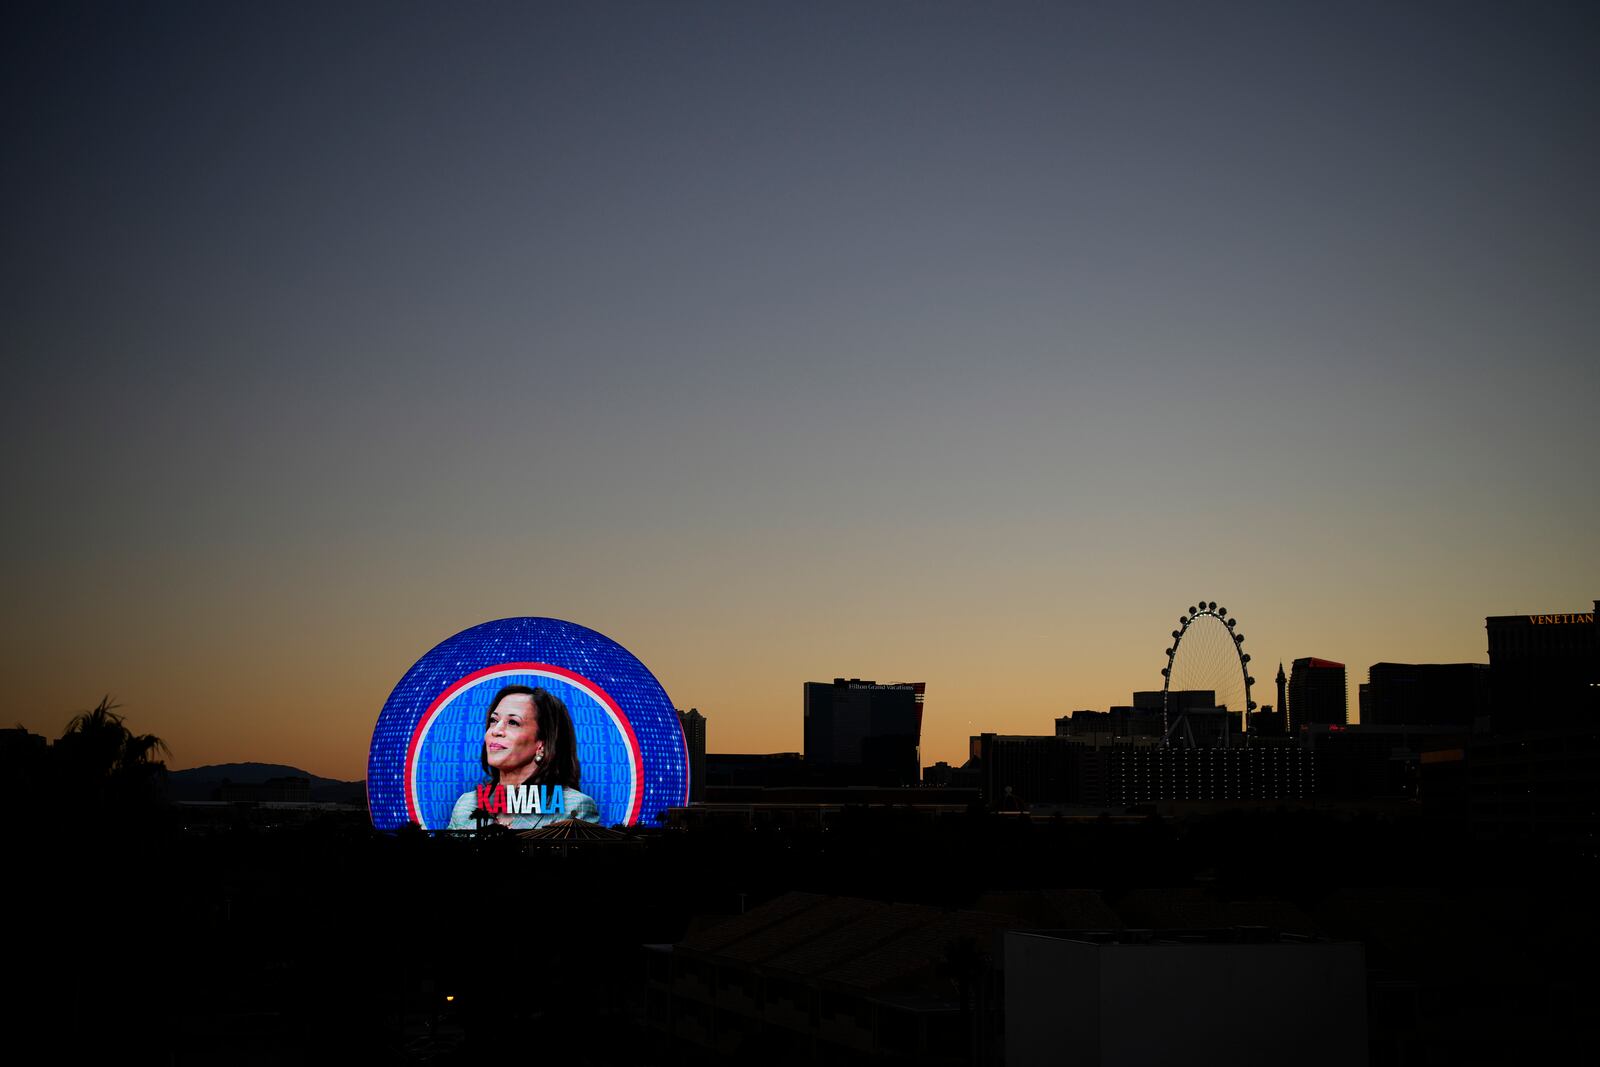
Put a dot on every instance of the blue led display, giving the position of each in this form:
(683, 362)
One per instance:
(427, 745)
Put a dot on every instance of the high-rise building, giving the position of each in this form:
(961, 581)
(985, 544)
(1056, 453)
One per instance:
(863, 732)
(1133, 721)
(1267, 722)
(1085, 724)
(1317, 694)
(1362, 761)
(1156, 774)
(1544, 669)
(1543, 783)
(765, 770)
(1425, 694)
(1193, 716)
(1019, 771)
(694, 736)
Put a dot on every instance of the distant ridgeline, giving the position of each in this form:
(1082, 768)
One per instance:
(275, 782)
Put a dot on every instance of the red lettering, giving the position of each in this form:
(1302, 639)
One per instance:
(492, 799)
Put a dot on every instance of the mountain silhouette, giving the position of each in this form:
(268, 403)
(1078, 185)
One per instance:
(202, 783)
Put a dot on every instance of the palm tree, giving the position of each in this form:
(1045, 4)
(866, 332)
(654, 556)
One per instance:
(138, 748)
(107, 762)
(93, 742)
(138, 775)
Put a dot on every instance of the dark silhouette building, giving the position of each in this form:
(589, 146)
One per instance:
(1541, 783)
(943, 775)
(757, 769)
(1130, 722)
(1545, 669)
(861, 732)
(1317, 694)
(18, 745)
(1363, 762)
(1152, 774)
(818, 807)
(1425, 694)
(1020, 770)
(1193, 716)
(1021, 773)
(1085, 724)
(1267, 722)
(694, 737)
(1146, 719)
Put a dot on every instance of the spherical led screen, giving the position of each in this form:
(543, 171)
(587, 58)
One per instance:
(436, 743)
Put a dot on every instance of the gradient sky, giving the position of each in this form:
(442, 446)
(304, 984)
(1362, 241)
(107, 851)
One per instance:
(962, 343)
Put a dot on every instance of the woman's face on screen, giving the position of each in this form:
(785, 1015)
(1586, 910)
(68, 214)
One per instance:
(511, 739)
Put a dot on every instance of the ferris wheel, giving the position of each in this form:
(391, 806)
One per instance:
(1207, 655)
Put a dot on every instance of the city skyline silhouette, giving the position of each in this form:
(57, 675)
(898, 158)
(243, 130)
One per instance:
(783, 343)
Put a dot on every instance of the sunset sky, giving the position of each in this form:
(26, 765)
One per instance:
(779, 341)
